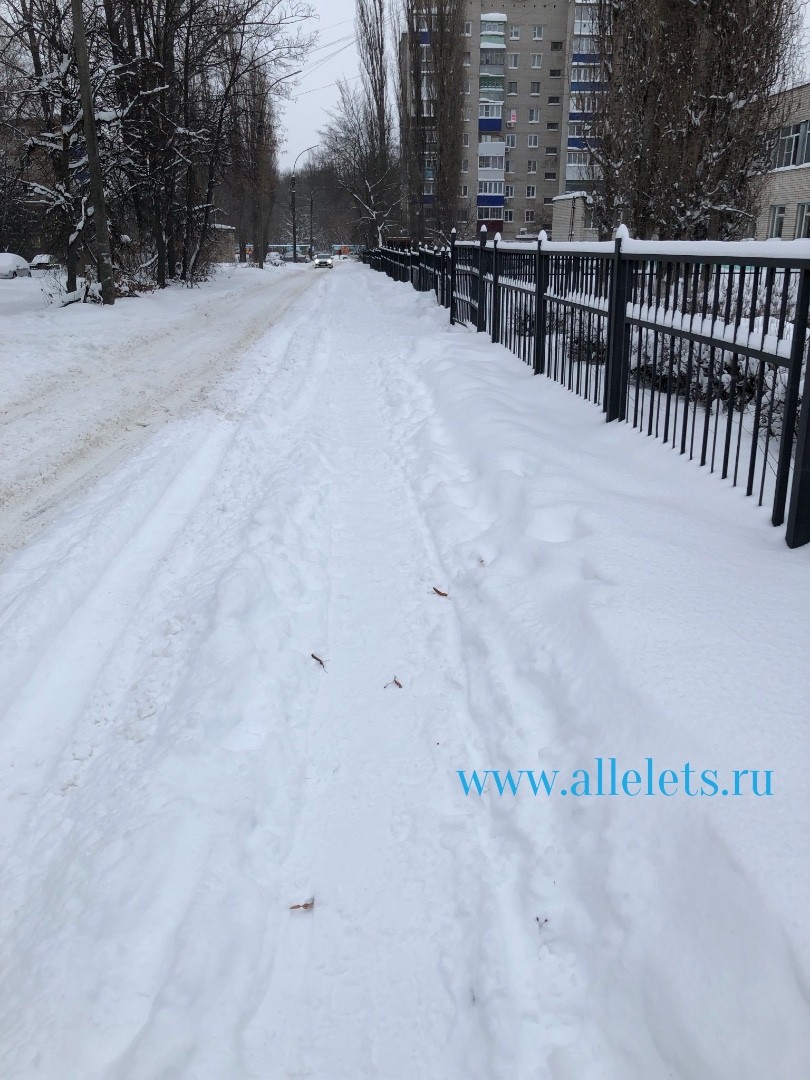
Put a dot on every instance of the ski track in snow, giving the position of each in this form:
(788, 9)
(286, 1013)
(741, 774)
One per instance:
(177, 770)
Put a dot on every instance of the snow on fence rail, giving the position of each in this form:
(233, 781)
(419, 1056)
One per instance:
(703, 345)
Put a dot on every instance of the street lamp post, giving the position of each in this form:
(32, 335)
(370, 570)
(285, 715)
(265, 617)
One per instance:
(311, 229)
(292, 201)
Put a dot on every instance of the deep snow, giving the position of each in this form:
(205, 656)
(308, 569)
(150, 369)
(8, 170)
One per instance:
(176, 770)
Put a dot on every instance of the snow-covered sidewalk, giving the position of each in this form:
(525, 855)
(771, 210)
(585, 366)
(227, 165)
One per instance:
(178, 771)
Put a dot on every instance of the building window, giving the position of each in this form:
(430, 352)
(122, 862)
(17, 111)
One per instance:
(584, 44)
(511, 141)
(511, 89)
(537, 33)
(585, 19)
(584, 73)
(490, 213)
(534, 89)
(537, 60)
(510, 168)
(466, 114)
(493, 28)
(514, 33)
(490, 161)
(577, 165)
(508, 215)
(583, 103)
(555, 73)
(550, 176)
(556, 46)
(467, 29)
(466, 86)
(531, 191)
(465, 139)
(803, 221)
(467, 59)
(531, 167)
(490, 187)
(776, 222)
(554, 100)
(465, 165)
(489, 112)
(534, 116)
(553, 125)
(464, 191)
(509, 191)
(792, 145)
(513, 60)
(533, 141)
(551, 151)
(548, 200)
(528, 215)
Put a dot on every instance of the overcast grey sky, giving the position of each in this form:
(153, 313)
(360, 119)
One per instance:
(314, 93)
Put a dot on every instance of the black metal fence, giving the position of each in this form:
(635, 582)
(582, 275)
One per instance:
(701, 345)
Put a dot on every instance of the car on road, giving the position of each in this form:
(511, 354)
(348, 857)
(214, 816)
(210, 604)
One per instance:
(12, 266)
(323, 260)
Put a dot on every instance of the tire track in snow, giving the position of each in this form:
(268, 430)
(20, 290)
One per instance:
(62, 436)
(162, 741)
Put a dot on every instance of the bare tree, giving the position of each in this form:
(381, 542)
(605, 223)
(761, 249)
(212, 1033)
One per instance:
(369, 175)
(686, 111)
(431, 87)
(167, 79)
(359, 139)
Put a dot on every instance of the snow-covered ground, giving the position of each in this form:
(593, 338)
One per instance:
(81, 387)
(178, 771)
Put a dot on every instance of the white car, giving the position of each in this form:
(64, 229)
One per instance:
(12, 266)
(323, 260)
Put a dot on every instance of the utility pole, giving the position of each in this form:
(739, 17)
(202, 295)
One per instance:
(292, 198)
(292, 202)
(105, 272)
(311, 240)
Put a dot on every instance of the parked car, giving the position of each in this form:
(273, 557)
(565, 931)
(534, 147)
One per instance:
(44, 262)
(12, 266)
(323, 260)
(274, 259)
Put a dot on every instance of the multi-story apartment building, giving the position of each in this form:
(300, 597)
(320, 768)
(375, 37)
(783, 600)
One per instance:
(530, 74)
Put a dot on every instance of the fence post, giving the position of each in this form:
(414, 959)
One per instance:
(496, 306)
(436, 271)
(615, 405)
(540, 289)
(798, 522)
(452, 277)
(481, 303)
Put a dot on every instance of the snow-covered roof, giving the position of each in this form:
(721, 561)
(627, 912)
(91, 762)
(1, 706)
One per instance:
(493, 16)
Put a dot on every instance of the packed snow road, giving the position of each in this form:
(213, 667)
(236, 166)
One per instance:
(240, 674)
(81, 388)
